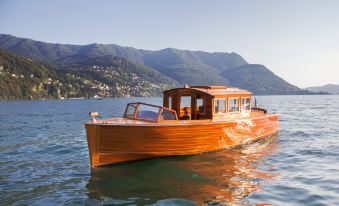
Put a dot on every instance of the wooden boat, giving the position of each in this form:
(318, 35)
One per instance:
(192, 120)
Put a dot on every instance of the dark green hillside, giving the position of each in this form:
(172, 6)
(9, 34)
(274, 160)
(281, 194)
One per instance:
(123, 77)
(97, 50)
(259, 80)
(165, 68)
(183, 66)
(221, 61)
(41, 51)
(21, 78)
(54, 53)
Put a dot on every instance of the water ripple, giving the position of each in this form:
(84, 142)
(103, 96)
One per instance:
(44, 160)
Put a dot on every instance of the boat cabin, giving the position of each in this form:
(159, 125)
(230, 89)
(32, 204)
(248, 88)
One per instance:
(206, 102)
(193, 103)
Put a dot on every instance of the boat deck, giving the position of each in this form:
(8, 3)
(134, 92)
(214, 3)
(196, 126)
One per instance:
(217, 119)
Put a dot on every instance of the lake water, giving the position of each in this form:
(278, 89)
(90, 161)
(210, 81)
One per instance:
(44, 160)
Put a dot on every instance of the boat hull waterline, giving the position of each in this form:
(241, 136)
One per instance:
(113, 141)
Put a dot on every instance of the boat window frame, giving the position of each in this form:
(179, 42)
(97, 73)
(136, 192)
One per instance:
(160, 111)
(183, 109)
(228, 104)
(133, 104)
(203, 112)
(246, 97)
(169, 110)
(182, 97)
(170, 101)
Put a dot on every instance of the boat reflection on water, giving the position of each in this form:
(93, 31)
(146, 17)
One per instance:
(220, 177)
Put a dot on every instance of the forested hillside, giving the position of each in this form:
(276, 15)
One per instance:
(134, 72)
(23, 78)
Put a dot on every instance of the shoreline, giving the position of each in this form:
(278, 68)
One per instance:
(103, 98)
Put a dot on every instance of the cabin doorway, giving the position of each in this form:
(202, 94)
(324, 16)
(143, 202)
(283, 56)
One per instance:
(185, 107)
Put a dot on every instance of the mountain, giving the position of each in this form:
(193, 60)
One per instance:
(329, 88)
(45, 52)
(54, 53)
(183, 66)
(220, 60)
(259, 80)
(174, 66)
(23, 78)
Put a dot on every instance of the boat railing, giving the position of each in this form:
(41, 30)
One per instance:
(149, 112)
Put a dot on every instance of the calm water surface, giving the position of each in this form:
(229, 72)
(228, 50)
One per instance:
(44, 160)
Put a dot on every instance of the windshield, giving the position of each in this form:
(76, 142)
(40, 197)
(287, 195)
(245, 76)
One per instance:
(148, 112)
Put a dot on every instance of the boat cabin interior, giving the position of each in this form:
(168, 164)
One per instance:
(193, 103)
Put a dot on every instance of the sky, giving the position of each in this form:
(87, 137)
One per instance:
(296, 39)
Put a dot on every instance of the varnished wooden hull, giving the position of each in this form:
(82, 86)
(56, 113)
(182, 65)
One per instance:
(114, 143)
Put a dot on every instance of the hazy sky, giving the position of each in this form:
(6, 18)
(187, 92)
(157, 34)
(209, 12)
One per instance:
(297, 40)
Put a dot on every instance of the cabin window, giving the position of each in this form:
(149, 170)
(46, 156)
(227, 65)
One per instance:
(168, 115)
(185, 101)
(220, 106)
(130, 111)
(245, 103)
(233, 104)
(200, 105)
(147, 112)
(170, 102)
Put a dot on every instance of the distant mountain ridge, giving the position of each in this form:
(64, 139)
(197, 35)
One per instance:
(178, 66)
(329, 88)
(185, 67)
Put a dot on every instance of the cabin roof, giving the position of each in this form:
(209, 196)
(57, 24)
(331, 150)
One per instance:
(215, 91)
